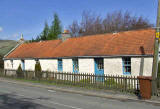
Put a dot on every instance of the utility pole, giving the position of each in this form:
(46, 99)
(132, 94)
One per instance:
(156, 53)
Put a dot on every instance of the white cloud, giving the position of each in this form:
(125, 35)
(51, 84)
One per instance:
(1, 29)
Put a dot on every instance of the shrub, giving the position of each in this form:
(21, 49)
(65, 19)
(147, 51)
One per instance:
(38, 70)
(1, 62)
(20, 72)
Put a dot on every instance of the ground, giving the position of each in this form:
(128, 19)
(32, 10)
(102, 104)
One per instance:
(18, 96)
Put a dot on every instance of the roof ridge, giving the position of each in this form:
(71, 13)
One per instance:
(43, 41)
(111, 33)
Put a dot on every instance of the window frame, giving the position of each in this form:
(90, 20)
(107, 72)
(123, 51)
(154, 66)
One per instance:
(23, 64)
(60, 66)
(11, 63)
(100, 63)
(75, 63)
(126, 65)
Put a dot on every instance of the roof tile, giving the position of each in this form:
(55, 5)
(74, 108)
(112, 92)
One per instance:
(136, 42)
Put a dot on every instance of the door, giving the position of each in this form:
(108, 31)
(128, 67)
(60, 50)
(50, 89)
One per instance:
(75, 66)
(60, 66)
(99, 68)
(23, 64)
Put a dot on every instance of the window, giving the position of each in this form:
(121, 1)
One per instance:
(37, 60)
(75, 66)
(100, 64)
(23, 64)
(60, 65)
(12, 63)
(99, 68)
(126, 65)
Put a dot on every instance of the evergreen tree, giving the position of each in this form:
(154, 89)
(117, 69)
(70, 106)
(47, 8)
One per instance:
(38, 70)
(50, 33)
(44, 34)
(1, 62)
(33, 40)
(20, 73)
(37, 38)
(55, 28)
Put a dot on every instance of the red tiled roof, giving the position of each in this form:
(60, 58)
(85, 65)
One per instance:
(34, 50)
(137, 42)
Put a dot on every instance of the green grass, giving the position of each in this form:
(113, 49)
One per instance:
(6, 46)
(32, 81)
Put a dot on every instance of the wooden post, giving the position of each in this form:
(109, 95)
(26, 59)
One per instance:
(156, 52)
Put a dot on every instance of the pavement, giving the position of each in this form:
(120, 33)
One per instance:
(24, 95)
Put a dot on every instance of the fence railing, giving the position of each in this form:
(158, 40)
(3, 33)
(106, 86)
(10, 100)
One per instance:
(118, 83)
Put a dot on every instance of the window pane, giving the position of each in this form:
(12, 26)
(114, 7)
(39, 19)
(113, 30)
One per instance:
(126, 65)
(100, 64)
(75, 64)
(59, 64)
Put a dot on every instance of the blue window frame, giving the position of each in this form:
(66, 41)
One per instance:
(99, 68)
(12, 63)
(126, 61)
(60, 65)
(23, 64)
(75, 66)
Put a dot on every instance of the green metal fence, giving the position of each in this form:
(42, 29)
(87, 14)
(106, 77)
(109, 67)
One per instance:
(113, 82)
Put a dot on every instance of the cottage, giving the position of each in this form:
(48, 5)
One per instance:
(123, 53)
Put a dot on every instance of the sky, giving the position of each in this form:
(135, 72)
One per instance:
(27, 17)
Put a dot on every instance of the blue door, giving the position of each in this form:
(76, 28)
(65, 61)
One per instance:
(23, 65)
(60, 66)
(99, 68)
(75, 66)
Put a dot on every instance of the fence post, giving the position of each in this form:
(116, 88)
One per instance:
(125, 84)
(74, 78)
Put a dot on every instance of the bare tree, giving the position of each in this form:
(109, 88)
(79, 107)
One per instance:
(116, 21)
(74, 28)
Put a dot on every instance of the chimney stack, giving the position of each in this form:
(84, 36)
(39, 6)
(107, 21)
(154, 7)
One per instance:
(21, 40)
(65, 35)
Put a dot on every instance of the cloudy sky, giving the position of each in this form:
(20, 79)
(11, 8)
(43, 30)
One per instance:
(28, 16)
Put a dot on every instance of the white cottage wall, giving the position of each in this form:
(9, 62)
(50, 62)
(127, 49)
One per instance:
(16, 64)
(86, 65)
(113, 66)
(49, 64)
(67, 65)
(141, 66)
(30, 65)
(148, 63)
(7, 64)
